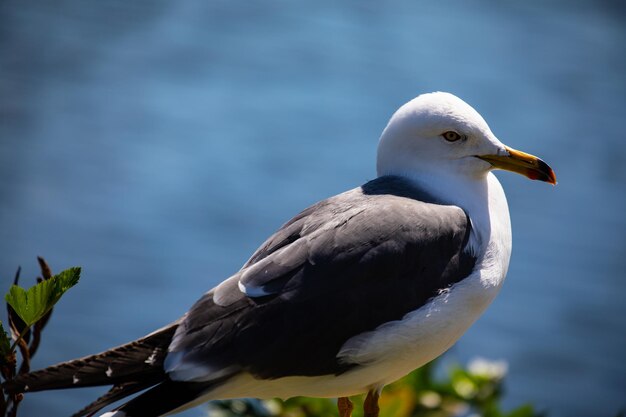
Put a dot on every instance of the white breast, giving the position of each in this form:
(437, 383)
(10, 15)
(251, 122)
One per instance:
(426, 333)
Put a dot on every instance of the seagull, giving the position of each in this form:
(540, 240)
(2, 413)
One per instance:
(349, 295)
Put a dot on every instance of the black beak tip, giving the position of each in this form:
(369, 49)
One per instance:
(545, 173)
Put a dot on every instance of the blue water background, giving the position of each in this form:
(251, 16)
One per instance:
(156, 144)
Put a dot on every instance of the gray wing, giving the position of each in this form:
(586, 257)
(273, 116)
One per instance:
(340, 268)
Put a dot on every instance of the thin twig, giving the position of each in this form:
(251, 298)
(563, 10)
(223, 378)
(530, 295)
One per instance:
(17, 399)
(25, 366)
(16, 324)
(46, 273)
(20, 338)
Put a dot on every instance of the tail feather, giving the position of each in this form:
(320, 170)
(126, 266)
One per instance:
(164, 398)
(137, 361)
(116, 393)
(130, 368)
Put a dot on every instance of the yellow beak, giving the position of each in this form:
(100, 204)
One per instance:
(523, 163)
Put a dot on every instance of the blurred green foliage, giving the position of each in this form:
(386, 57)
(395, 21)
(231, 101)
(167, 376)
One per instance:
(474, 390)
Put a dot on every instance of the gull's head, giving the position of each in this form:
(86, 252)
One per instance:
(438, 134)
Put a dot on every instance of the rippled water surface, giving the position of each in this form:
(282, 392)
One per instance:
(158, 143)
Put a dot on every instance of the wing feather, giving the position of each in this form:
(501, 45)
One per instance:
(340, 268)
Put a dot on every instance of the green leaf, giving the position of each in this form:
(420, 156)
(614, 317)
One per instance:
(32, 304)
(66, 280)
(523, 411)
(5, 342)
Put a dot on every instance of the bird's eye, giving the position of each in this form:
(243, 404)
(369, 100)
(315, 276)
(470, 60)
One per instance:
(451, 136)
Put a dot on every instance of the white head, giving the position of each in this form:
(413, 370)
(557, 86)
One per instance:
(439, 135)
